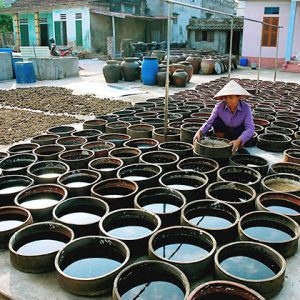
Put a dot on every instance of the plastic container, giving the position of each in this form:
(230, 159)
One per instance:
(149, 70)
(244, 61)
(25, 72)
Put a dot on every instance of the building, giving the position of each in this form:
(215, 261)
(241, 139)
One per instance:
(84, 24)
(282, 13)
(214, 34)
(183, 14)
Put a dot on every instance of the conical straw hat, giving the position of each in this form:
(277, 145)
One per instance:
(232, 88)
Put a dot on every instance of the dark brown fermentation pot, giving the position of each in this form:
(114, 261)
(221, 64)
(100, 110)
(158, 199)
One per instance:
(128, 155)
(166, 159)
(172, 134)
(130, 69)
(71, 142)
(98, 124)
(33, 248)
(11, 185)
(41, 199)
(79, 182)
(164, 202)
(84, 251)
(191, 184)
(90, 134)
(282, 203)
(81, 214)
(204, 165)
(252, 161)
(239, 195)
(77, 158)
(148, 272)
(272, 229)
(12, 219)
(182, 149)
(21, 148)
(285, 167)
(292, 155)
(202, 246)
(222, 289)
(116, 138)
(144, 144)
(134, 227)
(45, 139)
(240, 174)
(117, 127)
(145, 175)
(100, 148)
(63, 130)
(47, 171)
(48, 152)
(273, 142)
(228, 266)
(17, 164)
(281, 182)
(112, 71)
(117, 193)
(218, 218)
(106, 166)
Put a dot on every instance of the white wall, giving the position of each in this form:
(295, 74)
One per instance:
(252, 31)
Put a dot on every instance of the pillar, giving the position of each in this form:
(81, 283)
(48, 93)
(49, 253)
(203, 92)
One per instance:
(37, 29)
(291, 26)
(17, 31)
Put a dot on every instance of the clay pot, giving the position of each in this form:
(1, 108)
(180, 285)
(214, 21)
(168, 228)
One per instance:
(106, 166)
(62, 131)
(195, 61)
(143, 144)
(207, 66)
(90, 134)
(273, 142)
(161, 77)
(180, 78)
(20, 148)
(71, 142)
(140, 131)
(188, 67)
(100, 148)
(173, 134)
(292, 155)
(130, 69)
(112, 71)
(98, 124)
(77, 159)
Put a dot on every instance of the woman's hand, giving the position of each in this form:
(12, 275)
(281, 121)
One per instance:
(197, 136)
(236, 144)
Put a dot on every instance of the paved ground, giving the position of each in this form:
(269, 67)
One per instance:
(91, 81)
(20, 285)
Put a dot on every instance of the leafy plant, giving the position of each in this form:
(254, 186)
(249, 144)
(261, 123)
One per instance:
(6, 22)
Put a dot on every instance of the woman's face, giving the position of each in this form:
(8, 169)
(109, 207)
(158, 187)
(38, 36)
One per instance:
(232, 101)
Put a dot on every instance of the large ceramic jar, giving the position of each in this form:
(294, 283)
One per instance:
(130, 69)
(188, 67)
(112, 71)
(195, 60)
(180, 78)
(207, 66)
(161, 76)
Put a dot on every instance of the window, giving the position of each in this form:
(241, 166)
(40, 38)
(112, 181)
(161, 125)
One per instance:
(63, 17)
(78, 16)
(269, 33)
(204, 36)
(43, 20)
(23, 21)
(271, 11)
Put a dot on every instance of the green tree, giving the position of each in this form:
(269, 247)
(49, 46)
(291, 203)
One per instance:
(6, 22)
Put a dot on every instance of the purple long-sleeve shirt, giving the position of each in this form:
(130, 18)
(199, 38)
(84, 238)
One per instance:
(242, 115)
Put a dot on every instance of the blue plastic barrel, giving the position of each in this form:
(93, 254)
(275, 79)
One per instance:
(149, 70)
(25, 72)
(244, 61)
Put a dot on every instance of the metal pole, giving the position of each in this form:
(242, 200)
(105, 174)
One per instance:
(259, 60)
(167, 73)
(276, 57)
(113, 37)
(230, 49)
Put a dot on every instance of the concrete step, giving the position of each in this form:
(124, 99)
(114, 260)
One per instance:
(292, 67)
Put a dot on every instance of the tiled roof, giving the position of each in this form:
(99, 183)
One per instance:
(221, 24)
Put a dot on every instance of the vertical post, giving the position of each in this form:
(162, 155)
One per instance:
(167, 73)
(259, 59)
(113, 37)
(37, 29)
(17, 30)
(291, 27)
(230, 49)
(276, 57)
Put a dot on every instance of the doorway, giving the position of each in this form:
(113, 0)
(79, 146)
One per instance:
(235, 42)
(44, 34)
(24, 32)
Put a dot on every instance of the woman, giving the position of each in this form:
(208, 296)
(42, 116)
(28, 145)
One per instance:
(231, 118)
